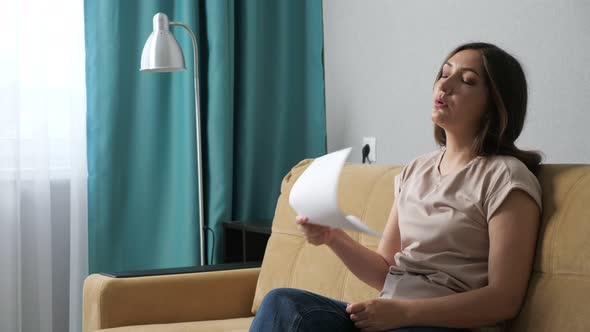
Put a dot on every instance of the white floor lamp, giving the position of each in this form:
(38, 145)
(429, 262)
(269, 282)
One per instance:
(162, 53)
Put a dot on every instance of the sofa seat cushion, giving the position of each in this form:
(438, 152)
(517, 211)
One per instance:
(234, 324)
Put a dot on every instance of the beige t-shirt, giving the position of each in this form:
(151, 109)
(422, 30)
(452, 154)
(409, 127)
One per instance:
(443, 223)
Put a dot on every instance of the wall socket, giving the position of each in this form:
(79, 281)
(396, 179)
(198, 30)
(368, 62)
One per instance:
(371, 141)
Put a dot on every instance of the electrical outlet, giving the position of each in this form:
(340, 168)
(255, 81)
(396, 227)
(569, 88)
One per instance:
(371, 142)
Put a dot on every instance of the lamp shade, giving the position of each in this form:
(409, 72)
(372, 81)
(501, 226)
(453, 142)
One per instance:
(161, 52)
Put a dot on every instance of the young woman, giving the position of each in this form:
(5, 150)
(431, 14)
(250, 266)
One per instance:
(458, 247)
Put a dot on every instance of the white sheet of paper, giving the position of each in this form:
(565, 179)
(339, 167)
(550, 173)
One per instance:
(315, 194)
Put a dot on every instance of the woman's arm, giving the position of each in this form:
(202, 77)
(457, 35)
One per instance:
(513, 233)
(369, 266)
(513, 236)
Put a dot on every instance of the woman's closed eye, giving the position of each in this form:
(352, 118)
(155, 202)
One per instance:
(464, 80)
(468, 82)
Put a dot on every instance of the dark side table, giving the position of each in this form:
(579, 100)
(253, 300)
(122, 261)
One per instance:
(245, 241)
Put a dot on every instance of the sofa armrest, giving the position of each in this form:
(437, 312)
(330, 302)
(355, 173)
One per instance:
(123, 301)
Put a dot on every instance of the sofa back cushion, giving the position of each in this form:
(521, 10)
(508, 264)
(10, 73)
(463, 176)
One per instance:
(557, 297)
(560, 284)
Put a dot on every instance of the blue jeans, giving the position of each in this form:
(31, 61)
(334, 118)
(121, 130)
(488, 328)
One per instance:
(289, 309)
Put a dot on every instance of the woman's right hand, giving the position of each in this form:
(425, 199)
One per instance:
(314, 234)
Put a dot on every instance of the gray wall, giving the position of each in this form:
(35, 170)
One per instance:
(381, 58)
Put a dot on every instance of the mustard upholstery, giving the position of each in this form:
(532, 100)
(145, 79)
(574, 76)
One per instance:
(192, 297)
(221, 325)
(556, 299)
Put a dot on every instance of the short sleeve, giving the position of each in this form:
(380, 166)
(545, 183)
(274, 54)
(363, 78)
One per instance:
(398, 181)
(510, 175)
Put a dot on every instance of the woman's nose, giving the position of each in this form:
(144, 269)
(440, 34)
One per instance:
(446, 87)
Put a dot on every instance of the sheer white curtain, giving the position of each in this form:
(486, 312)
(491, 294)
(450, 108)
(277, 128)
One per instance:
(43, 173)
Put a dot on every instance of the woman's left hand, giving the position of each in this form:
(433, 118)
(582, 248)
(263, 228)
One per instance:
(377, 314)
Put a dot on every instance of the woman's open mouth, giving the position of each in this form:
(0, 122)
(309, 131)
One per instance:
(439, 103)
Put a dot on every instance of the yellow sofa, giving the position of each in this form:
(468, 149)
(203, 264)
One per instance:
(557, 300)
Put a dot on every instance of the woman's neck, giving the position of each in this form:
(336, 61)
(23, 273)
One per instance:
(458, 151)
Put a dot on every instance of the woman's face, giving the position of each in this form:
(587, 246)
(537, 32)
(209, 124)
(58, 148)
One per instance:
(461, 94)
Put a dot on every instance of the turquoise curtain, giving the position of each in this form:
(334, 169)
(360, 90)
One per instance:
(265, 103)
(262, 100)
(142, 184)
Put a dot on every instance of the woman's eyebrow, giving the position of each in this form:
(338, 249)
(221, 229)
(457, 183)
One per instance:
(463, 68)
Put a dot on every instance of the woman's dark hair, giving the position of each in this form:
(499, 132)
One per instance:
(502, 122)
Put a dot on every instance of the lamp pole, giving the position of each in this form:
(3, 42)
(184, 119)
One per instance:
(161, 53)
(198, 134)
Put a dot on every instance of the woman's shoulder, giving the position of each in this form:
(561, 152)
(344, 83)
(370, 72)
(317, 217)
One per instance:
(425, 158)
(416, 167)
(507, 165)
(508, 171)
(504, 173)
(419, 164)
